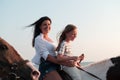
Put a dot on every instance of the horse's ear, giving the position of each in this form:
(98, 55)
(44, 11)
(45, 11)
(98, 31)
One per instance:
(116, 60)
(2, 46)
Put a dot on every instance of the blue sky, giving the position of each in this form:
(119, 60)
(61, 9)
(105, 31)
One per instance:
(97, 21)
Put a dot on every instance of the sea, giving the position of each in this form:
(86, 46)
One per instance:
(85, 63)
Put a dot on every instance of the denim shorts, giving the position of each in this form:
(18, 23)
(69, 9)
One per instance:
(46, 67)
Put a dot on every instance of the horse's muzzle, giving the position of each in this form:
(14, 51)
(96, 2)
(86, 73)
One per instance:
(35, 75)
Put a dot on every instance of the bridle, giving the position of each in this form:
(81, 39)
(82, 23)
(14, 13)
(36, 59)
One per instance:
(90, 73)
(11, 70)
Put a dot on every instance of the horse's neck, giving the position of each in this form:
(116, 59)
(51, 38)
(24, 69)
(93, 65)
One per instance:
(99, 69)
(99, 66)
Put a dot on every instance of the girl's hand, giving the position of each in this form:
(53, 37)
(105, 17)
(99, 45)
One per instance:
(77, 64)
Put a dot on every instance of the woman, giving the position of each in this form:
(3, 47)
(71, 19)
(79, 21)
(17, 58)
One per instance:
(44, 46)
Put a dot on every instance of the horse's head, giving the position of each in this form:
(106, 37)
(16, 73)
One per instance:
(116, 60)
(12, 64)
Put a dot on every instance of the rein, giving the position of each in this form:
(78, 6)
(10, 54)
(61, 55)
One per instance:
(11, 69)
(89, 73)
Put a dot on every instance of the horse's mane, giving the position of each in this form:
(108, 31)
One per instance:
(114, 60)
(99, 63)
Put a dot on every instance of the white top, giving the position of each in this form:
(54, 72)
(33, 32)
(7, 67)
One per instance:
(43, 48)
(65, 49)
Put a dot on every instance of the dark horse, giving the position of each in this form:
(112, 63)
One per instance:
(13, 66)
(114, 71)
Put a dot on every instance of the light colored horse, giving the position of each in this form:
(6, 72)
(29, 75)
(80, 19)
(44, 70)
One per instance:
(104, 70)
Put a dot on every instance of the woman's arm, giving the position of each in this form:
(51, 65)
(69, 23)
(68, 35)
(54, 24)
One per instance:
(61, 58)
(52, 59)
(56, 61)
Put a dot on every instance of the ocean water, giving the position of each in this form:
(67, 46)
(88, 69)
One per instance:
(85, 63)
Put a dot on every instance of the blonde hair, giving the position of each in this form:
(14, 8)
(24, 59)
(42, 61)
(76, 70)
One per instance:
(62, 36)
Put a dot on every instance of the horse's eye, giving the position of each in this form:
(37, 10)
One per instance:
(3, 47)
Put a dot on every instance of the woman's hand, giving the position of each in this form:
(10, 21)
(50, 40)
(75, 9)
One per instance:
(75, 58)
(69, 63)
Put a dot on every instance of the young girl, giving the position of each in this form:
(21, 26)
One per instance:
(64, 52)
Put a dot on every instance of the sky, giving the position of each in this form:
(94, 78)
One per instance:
(98, 23)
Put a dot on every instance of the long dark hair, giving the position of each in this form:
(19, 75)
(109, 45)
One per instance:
(68, 28)
(37, 25)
